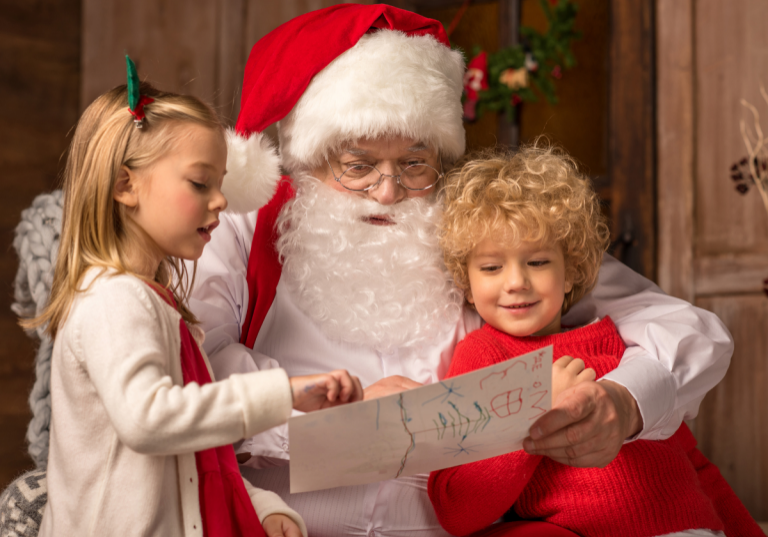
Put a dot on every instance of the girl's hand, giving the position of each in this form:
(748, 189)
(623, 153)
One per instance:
(278, 525)
(568, 372)
(315, 392)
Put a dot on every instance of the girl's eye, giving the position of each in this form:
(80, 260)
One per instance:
(199, 186)
(490, 268)
(539, 263)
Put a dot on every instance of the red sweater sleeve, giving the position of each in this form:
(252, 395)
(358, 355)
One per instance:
(473, 496)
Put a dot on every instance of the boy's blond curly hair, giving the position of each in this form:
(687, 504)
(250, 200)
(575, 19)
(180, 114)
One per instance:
(535, 193)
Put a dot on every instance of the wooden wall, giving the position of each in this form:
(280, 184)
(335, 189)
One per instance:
(39, 82)
(713, 242)
(190, 46)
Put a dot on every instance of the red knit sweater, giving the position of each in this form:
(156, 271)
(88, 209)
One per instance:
(651, 488)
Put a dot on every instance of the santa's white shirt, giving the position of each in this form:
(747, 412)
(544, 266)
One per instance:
(675, 354)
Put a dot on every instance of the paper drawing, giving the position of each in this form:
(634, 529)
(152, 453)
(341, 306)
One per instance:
(463, 419)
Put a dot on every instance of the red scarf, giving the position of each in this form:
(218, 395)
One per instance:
(225, 506)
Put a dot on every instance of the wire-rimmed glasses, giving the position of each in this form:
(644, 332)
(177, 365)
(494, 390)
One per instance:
(363, 177)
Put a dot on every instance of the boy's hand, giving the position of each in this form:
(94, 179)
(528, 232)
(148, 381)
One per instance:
(315, 392)
(568, 372)
(278, 525)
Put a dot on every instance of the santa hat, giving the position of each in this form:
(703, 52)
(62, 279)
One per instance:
(337, 75)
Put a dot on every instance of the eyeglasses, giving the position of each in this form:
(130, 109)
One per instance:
(362, 177)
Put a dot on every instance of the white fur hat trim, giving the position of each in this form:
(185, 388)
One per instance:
(253, 170)
(388, 84)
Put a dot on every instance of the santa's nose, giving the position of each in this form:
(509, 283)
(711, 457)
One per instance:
(388, 192)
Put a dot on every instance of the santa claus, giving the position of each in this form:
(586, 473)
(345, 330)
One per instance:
(339, 268)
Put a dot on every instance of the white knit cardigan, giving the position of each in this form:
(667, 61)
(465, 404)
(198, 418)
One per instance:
(124, 428)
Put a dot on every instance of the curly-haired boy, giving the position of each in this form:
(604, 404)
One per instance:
(523, 236)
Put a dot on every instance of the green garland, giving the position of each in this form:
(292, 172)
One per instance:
(516, 74)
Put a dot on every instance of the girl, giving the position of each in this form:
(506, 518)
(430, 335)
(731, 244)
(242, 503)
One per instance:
(524, 236)
(136, 419)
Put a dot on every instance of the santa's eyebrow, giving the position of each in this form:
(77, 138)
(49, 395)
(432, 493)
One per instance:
(356, 151)
(417, 148)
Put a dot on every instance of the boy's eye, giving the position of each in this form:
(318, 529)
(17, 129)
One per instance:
(199, 186)
(538, 263)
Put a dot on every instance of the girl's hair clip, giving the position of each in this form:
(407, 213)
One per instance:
(136, 101)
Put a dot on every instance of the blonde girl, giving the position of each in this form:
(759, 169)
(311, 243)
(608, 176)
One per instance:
(137, 424)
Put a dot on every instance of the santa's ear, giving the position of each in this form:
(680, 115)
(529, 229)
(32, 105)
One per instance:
(253, 171)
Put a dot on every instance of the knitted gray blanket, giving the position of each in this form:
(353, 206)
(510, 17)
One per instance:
(37, 244)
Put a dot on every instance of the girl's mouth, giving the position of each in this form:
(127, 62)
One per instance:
(205, 232)
(379, 220)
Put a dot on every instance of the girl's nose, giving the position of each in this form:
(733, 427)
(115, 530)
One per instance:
(218, 201)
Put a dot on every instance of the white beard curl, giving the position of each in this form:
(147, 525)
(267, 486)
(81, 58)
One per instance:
(379, 286)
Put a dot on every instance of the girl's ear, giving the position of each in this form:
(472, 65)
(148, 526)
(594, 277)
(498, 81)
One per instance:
(125, 191)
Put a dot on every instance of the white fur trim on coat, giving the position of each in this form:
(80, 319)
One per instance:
(387, 84)
(253, 170)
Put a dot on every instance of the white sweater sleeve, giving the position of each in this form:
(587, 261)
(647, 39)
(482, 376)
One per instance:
(118, 337)
(267, 503)
(675, 352)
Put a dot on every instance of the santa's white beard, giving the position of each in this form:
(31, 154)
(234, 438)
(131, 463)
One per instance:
(380, 286)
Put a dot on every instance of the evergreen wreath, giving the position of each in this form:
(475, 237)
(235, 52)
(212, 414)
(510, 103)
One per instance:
(501, 80)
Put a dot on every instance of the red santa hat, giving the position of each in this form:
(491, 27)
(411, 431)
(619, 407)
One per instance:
(337, 75)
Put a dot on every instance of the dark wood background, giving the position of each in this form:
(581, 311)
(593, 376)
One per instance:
(39, 103)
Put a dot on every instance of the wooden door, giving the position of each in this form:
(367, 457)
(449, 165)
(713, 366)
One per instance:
(713, 242)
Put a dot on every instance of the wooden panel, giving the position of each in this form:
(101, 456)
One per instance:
(631, 145)
(730, 274)
(39, 76)
(675, 131)
(732, 427)
(174, 44)
(730, 65)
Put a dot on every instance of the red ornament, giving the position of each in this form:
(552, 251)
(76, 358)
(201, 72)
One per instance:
(557, 72)
(476, 77)
(516, 99)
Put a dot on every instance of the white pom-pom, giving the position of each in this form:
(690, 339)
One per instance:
(253, 170)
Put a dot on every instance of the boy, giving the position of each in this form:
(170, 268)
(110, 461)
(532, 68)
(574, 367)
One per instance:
(523, 236)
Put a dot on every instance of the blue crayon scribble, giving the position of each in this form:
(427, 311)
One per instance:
(461, 449)
(449, 390)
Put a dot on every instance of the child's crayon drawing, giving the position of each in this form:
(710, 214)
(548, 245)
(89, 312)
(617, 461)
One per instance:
(459, 420)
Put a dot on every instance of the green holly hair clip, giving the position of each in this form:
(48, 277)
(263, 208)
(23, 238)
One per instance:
(136, 101)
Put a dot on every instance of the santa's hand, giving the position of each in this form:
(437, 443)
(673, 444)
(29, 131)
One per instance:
(390, 385)
(315, 392)
(278, 525)
(587, 425)
(568, 372)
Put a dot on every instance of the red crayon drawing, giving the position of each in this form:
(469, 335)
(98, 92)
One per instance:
(508, 403)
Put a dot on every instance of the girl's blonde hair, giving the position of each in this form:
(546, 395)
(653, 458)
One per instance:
(94, 231)
(536, 193)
